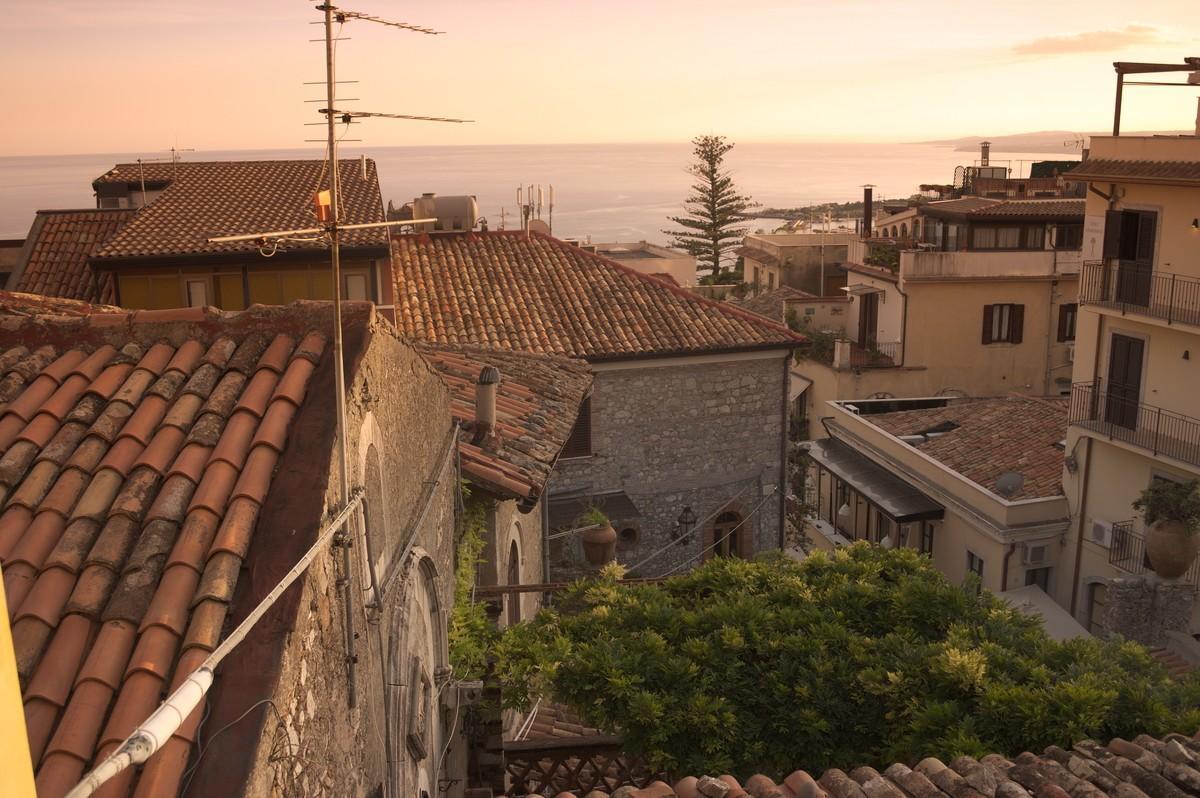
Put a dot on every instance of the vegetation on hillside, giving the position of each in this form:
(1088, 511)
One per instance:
(865, 656)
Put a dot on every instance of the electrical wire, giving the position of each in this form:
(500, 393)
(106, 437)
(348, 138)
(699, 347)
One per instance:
(719, 541)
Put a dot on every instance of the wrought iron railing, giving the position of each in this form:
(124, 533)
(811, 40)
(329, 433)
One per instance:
(573, 764)
(1112, 411)
(1128, 552)
(1134, 288)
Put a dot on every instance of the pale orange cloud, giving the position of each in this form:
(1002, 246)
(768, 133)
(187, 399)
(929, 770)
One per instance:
(1095, 41)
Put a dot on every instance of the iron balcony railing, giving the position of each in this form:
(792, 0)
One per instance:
(1135, 288)
(1128, 552)
(1113, 411)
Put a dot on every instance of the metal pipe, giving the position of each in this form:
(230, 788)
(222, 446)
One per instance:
(152, 734)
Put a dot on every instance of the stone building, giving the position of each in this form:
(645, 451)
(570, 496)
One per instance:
(162, 472)
(687, 414)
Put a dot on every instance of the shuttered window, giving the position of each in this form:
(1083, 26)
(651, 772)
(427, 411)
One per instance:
(1066, 321)
(1003, 324)
(580, 442)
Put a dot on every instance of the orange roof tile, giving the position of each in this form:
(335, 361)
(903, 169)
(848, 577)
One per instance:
(116, 496)
(535, 293)
(537, 402)
(59, 245)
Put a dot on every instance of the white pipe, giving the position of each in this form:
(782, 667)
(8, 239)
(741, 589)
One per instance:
(152, 734)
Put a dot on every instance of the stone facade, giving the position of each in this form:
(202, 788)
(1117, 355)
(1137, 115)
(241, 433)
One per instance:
(1146, 608)
(313, 738)
(699, 432)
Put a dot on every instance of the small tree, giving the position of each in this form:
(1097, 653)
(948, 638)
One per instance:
(714, 208)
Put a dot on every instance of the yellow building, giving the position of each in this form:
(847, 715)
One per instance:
(1135, 411)
(982, 304)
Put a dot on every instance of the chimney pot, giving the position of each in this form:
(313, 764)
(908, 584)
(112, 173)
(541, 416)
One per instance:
(485, 405)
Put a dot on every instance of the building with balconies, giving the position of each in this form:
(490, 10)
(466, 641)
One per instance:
(974, 297)
(1134, 413)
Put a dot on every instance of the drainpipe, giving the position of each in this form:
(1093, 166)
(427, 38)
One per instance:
(1004, 571)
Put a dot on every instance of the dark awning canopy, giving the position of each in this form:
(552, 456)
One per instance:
(566, 509)
(891, 494)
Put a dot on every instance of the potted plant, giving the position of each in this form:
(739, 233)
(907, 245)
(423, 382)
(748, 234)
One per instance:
(599, 537)
(1172, 513)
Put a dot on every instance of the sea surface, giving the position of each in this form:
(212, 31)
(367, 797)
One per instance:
(611, 192)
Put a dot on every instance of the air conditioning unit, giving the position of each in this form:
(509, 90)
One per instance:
(1071, 353)
(1101, 532)
(1036, 553)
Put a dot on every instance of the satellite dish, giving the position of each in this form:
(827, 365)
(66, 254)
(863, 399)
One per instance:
(1009, 483)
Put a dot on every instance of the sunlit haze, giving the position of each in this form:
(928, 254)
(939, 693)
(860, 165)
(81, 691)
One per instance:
(142, 75)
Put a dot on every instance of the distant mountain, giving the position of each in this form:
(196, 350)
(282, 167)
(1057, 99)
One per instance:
(1048, 141)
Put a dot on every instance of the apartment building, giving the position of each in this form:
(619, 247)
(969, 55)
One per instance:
(975, 297)
(973, 483)
(1134, 413)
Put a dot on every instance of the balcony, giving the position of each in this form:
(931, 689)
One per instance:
(1130, 288)
(1128, 553)
(1106, 410)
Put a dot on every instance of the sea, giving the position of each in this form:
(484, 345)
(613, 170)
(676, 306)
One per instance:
(609, 192)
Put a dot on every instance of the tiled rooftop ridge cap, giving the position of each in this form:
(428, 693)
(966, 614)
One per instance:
(669, 285)
(179, 325)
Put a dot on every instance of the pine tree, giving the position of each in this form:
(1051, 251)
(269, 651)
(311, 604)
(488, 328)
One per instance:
(714, 208)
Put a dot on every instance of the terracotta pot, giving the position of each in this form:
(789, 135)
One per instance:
(600, 544)
(1171, 547)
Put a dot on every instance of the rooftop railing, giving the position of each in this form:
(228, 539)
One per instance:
(1135, 288)
(1111, 411)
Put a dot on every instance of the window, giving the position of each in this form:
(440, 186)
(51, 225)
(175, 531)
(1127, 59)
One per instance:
(974, 564)
(1066, 321)
(1068, 236)
(580, 442)
(1003, 323)
(1039, 577)
(927, 538)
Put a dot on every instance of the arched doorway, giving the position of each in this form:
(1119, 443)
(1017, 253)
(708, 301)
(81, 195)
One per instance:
(514, 578)
(727, 535)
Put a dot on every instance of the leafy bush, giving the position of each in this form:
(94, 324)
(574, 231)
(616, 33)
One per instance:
(865, 656)
(471, 634)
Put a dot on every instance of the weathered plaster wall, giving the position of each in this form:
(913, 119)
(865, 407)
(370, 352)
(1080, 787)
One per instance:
(701, 434)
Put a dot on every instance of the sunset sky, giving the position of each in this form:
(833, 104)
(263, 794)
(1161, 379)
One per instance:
(140, 75)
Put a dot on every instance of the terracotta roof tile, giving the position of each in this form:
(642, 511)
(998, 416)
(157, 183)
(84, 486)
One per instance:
(991, 437)
(206, 199)
(537, 402)
(109, 539)
(59, 245)
(506, 290)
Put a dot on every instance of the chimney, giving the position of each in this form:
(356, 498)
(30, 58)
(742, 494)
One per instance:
(485, 405)
(985, 150)
(868, 211)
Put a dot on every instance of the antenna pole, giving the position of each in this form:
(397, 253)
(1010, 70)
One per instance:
(339, 376)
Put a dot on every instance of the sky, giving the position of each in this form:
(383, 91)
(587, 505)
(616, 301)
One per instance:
(89, 76)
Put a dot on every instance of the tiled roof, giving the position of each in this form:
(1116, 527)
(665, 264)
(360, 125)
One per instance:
(536, 405)
(1033, 209)
(1145, 767)
(60, 244)
(1151, 171)
(220, 198)
(507, 290)
(1010, 433)
(773, 303)
(15, 303)
(138, 449)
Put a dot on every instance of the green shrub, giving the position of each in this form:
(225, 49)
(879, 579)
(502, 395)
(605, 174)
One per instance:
(864, 656)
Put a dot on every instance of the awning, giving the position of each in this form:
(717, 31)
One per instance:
(616, 506)
(858, 289)
(881, 487)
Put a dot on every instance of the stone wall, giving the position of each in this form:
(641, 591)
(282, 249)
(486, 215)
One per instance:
(313, 742)
(702, 434)
(1146, 608)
